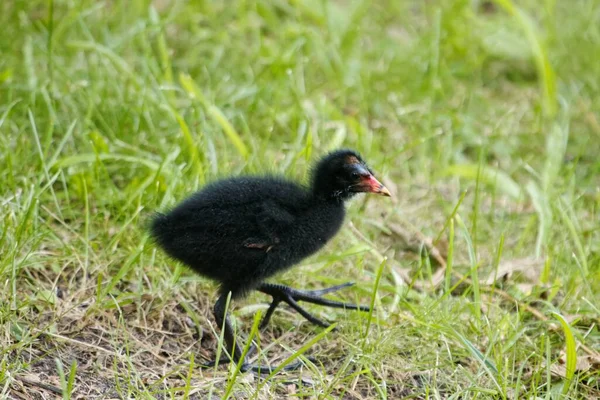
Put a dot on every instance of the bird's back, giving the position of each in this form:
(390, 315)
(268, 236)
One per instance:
(208, 230)
(247, 190)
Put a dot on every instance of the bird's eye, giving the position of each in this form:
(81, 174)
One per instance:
(355, 175)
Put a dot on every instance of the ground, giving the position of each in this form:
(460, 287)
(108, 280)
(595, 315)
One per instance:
(481, 117)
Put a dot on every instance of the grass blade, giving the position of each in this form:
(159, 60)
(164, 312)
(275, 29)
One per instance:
(570, 350)
(373, 297)
(544, 68)
(215, 113)
(231, 133)
(492, 177)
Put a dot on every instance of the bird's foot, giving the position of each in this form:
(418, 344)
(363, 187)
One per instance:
(259, 369)
(213, 363)
(268, 369)
(235, 354)
(286, 294)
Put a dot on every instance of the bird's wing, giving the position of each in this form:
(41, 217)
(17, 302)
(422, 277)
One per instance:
(271, 218)
(274, 214)
(259, 244)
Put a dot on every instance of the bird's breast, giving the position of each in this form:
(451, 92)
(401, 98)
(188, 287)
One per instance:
(314, 230)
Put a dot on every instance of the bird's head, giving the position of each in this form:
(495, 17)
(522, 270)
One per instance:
(342, 173)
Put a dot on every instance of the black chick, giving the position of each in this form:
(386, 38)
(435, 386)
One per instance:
(240, 231)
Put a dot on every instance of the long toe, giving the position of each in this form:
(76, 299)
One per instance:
(269, 313)
(213, 363)
(308, 297)
(292, 296)
(311, 318)
(321, 292)
(268, 369)
(252, 350)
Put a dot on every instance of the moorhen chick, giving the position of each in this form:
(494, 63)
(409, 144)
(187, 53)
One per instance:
(240, 231)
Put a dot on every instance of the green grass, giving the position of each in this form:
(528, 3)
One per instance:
(481, 117)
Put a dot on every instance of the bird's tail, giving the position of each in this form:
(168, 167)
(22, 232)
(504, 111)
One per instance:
(159, 225)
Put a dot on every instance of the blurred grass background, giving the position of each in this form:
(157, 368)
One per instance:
(481, 116)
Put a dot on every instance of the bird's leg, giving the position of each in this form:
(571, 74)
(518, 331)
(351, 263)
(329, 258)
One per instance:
(292, 296)
(220, 314)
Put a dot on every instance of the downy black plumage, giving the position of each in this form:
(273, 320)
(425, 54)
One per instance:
(240, 231)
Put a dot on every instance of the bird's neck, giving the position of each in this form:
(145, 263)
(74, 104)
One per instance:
(329, 198)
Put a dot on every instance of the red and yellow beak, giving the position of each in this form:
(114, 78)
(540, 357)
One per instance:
(372, 185)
